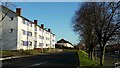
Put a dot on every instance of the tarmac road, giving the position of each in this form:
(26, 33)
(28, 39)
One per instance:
(55, 60)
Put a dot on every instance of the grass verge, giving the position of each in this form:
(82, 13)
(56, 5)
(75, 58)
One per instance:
(86, 62)
(8, 53)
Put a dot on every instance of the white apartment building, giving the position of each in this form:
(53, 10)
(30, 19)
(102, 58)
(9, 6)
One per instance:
(17, 32)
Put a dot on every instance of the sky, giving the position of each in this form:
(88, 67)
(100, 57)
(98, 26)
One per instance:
(54, 15)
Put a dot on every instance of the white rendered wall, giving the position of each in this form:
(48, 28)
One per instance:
(22, 37)
(9, 38)
(13, 40)
(1, 45)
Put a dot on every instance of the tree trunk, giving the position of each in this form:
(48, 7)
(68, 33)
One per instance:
(89, 51)
(91, 55)
(102, 56)
(95, 53)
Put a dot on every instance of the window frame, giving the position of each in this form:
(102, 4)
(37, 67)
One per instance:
(11, 18)
(30, 43)
(11, 30)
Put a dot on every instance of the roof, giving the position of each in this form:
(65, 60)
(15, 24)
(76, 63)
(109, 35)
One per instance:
(24, 18)
(63, 41)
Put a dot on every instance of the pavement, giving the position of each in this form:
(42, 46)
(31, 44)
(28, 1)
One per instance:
(55, 60)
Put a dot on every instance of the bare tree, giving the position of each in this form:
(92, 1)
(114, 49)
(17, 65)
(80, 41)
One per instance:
(2, 17)
(106, 25)
(104, 20)
(83, 27)
(8, 5)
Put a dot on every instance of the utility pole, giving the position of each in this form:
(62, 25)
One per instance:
(50, 41)
(27, 34)
(42, 39)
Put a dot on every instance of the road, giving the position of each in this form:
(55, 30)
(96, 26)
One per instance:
(55, 60)
(111, 59)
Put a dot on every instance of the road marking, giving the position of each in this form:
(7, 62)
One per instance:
(12, 57)
(36, 64)
(39, 63)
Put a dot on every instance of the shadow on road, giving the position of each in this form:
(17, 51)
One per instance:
(56, 60)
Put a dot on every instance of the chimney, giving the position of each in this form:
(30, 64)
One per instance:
(42, 26)
(35, 22)
(18, 11)
(49, 30)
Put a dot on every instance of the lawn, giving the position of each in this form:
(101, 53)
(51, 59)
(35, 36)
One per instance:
(85, 60)
(6, 53)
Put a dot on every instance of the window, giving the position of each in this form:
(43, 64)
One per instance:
(30, 33)
(35, 43)
(11, 18)
(26, 22)
(30, 24)
(35, 34)
(47, 44)
(24, 33)
(53, 40)
(42, 37)
(42, 30)
(23, 21)
(40, 44)
(53, 45)
(25, 43)
(39, 29)
(30, 43)
(11, 30)
(35, 28)
(27, 33)
(47, 38)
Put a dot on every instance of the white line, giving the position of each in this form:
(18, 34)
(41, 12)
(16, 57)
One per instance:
(36, 64)
(12, 57)
(39, 63)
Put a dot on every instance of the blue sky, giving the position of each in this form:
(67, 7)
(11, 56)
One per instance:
(54, 15)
